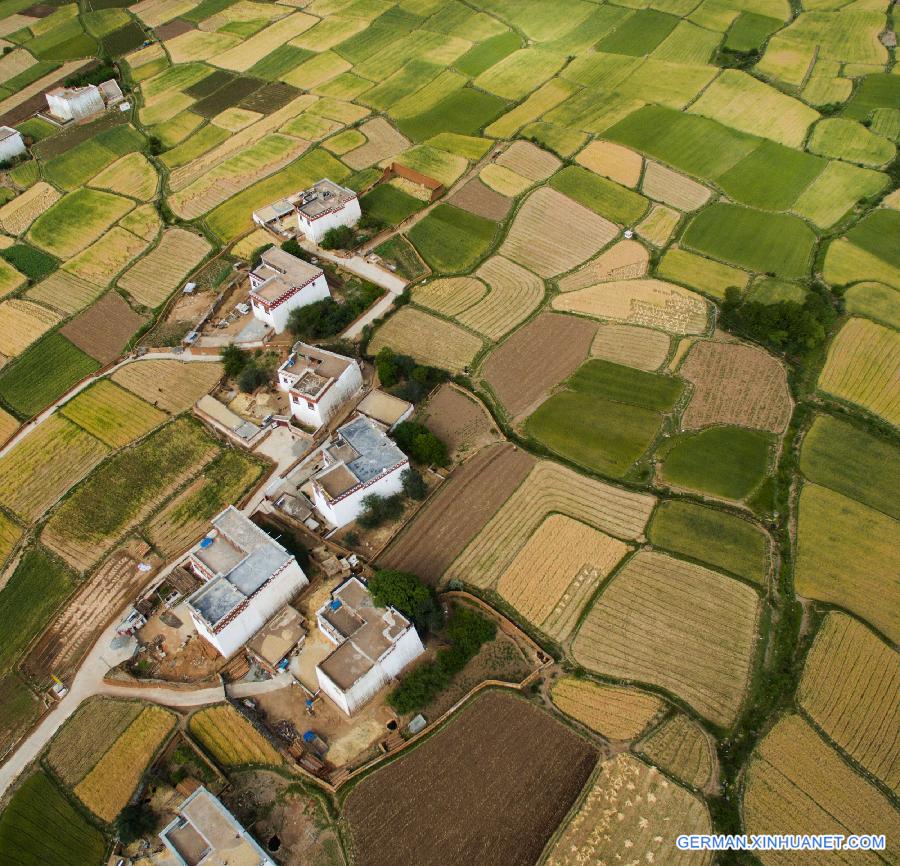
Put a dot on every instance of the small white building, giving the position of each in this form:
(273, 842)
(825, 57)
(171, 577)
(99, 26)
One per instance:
(318, 383)
(205, 833)
(373, 645)
(281, 283)
(12, 144)
(325, 205)
(359, 460)
(248, 577)
(76, 103)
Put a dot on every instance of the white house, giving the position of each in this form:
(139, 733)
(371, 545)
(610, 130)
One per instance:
(359, 460)
(205, 833)
(248, 578)
(325, 205)
(11, 143)
(281, 283)
(373, 645)
(318, 383)
(76, 103)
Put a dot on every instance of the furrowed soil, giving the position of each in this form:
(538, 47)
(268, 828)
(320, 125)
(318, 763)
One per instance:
(459, 420)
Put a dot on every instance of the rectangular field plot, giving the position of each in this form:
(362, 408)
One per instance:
(103, 330)
(171, 385)
(231, 739)
(17, 215)
(452, 240)
(112, 414)
(705, 275)
(678, 626)
(23, 322)
(66, 291)
(615, 712)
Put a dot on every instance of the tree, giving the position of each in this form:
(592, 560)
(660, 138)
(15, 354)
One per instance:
(379, 509)
(252, 377)
(291, 246)
(413, 484)
(234, 360)
(386, 367)
(133, 822)
(408, 594)
(338, 238)
(419, 443)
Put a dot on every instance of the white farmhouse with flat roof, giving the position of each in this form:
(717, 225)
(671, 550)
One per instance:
(325, 205)
(318, 383)
(281, 283)
(76, 103)
(373, 645)
(11, 143)
(248, 578)
(359, 460)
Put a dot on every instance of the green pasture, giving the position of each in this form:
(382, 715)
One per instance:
(771, 290)
(836, 190)
(34, 263)
(202, 140)
(401, 253)
(18, 709)
(281, 61)
(389, 204)
(705, 275)
(77, 220)
(750, 31)
(467, 111)
(452, 240)
(639, 34)
(603, 196)
(626, 385)
(874, 301)
(557, 139)
(411, 77)
(849, 140)
(26, 174)
(878, 233)
(481, 57)
(881, 90)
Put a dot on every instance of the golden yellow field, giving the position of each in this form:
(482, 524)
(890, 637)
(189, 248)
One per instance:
(244, 248)
(230, 739)
(17, 215)
(132, 175)
(504, 180)
(427, 339)
(614, 161)
(10, 533)
(143, 221)
(449, 296)
(109, 786)
(677, 626)
(152, 279)
(102, 260)
(156, 12)
(548, 489)
(851, 689)
(383, 142)
(171, 385)
(616, 712)
(112, 414)
(8, 425)
(235, 119)
(10, 278)
(863, 367)
(630, 345)
(547, 96)
(626, 260)
(21, 323)
(796, 783)
(653, 303)
(528, 160)
(682, 748)
(66, 291)
(658, 225)
(670, 187)
(631, 814)
(551, 233)
(557, 571)
(199, 45)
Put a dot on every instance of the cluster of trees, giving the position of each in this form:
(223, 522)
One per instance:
(420, 444)
(406, 592)
(728, 58)
(403, 377)
(327, 317)
(249, 370)
(348, 237)
(381, 509)
(93, 76)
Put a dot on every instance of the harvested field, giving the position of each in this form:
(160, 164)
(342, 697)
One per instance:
(626, 260)
(562, 341)
(449, 296)
(230, 739)
(105, 258)
(112, 414)
(735, 384)
(477, 198)
(700, 273)
(17, 215)
(670, 187)
(459, 420)
(427, 339)
(171, 385)
(514, 294)
(108, 787)
(457, 512)
(103, 330)
(557, 572)
(796, 783)
(132, 175)
(607, 159)
(65, 291)
(77, 220)
(88, 735)
(503, 181)
(615, 712)
(528, 160)
(23, 322)
(552, 234)
(631, 346)
(549, 489)
(45, 464)
(251, 51)
(678, 626)
(631, 811)
(383, 142)
(143, 221)
(863, 367)
(536, 768)
(658, 225)
(682, 748)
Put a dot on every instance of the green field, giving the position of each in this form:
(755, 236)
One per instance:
(39, 827)
(466, 112)
(750, 31)
(18, 709)
(389, 204)
(77, 220)
(34, 263)
(874, 301)
(880, 90)
(763, 242)
(627, 385)
(43, 372)
(400, 252)
(845, 139)
(112, 414)
(878, 233)
(714, 537)
(483, 56)
(724, 461)
(452, 240)
(604, 197)
(639, 34)
(771, 290)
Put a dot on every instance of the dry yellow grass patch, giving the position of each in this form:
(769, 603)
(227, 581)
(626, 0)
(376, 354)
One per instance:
(171, 385)
(18, 60)
(22, 322)
(235, 119)
(132, 175)
(231, 739)
(151, 280)
(658, 225)
(250, 51)
(614, 161)
(626, 260)
(428, 339)
(8, 425)
(616, 712)
(528, 160)
(678, 626)
(199, 45)
(143, 221)
(383, 142)
(156, 12)
(65, 291)
(244, 248)
(557, 571)
(552, 234)
(670, 187)
(549, 489)
(630, 345)
(504, 181)
(17, 215)
(105, 258)
(164, 106)
(143, 56)
(109, 786)
(683, 748)
(449, 296)
(10, 278)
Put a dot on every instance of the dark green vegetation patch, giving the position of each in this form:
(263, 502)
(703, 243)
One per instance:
(401, 253)
(881, 90)
(484, 55)
(124, 39)
(603, 196)
(750, 31)
(639, 34)
(466, 111)
(389, 204)
(281, 61)
(878, 233)
(627, 385)
(452, 240)
(35, 264)
(231, 94)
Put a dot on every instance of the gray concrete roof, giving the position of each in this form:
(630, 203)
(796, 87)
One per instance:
(375, 450)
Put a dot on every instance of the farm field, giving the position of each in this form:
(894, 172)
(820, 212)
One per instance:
(450, 239)
(459, 420)
(616, 712)
(682, 748)
(230, 739)
(630, 346)
(111, 414)
(103, 330)
(536, 766)
(173, 386)
(624, 260)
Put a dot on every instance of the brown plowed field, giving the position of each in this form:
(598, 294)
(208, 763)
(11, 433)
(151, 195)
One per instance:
(537, 358)
(103, 330)
(480, 199)
(459, 420)
(458, 512)
(491, 787)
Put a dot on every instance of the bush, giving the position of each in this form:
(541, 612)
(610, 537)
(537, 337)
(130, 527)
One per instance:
(338, 238)
(407, 593)
(92, 76)
(380, 509)
(327, 317)
(405, 378)
(414, 484)
(420, 444)
(291, 246)
(234, 360)
(154, 146)
(252, 377)
(133, 822)
(256, 255)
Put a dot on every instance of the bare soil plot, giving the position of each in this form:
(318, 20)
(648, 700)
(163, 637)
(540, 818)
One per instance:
(551, 233)
(65, 291)
(631, 813)
(626, 260)
(500, 777)
(457, 512)
(670, 187)
(631, 346)
(614, 161)
(682, 748)
(103, 330)
(171, 385)
(383, 142)
(549, 489)
(171, 29)
(615, 712)
(480, 199)
(735, 384)
(677, 626)
(528, 160)
(459, 420)
(562, 343)
(23, 322)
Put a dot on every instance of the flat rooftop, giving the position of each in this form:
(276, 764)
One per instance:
(323, 196)
(282, 272)
(7, 132)
(278, 636)
(384, 408)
